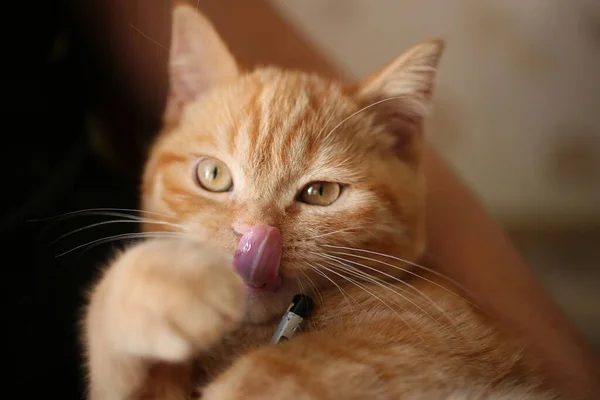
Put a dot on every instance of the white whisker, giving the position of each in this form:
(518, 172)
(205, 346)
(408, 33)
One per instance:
(328, 119)
(132, 220)
(389, 276)
(124, 236)
(330, 233)
(149, 38)
(342, 291)
(301, 287)
(100, 210)
(374, 280)
(406, 270)
(374, 296)
(361, 110)
(314, 286)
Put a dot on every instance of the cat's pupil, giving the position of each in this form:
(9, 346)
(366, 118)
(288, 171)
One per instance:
(321, 189)
(214, 173)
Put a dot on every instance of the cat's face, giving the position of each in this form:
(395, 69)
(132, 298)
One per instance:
(287, 158)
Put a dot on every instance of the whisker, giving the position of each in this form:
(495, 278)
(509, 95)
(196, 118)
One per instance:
(407, 271)
(300, 286)
(331, 233)
(374, 296)
(299, 283)
(328, 119)
(94, 211)
(357, 273)
(124, 236)
(391, 277)
(361, 110)
(142, 219)
(382, 284)
(136, 221)
(433, 303)
(315, 288)
(105, 212)
(149, 38)
(360, 275)
(342, 291)
(146, 235)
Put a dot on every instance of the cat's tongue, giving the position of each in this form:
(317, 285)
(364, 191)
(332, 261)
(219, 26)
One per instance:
(257, 257)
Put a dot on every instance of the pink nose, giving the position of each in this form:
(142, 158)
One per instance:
(258, 255)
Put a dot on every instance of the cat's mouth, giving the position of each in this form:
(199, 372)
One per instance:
(258, 256)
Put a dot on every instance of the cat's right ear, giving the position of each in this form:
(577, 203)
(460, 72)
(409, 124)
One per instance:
(198, 60)
(402, 93)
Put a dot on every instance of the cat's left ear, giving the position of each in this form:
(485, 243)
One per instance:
(198, 59)
(400, 94)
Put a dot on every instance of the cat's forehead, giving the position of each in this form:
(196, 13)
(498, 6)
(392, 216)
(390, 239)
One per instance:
(274, 121)
(282, 100)
(271, 101)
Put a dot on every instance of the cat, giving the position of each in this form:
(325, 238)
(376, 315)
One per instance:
(267, 183)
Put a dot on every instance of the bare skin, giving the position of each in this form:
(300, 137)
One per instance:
(505, 288)
(130, 37)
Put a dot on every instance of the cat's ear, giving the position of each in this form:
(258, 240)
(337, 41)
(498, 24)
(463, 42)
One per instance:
(403, 93)
(198, 58)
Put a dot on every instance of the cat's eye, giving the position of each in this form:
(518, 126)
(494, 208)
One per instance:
(213, 175)
(320, 193)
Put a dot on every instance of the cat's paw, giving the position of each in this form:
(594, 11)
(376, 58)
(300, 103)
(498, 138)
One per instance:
(166, 300)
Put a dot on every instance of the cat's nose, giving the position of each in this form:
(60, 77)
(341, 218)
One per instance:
(258, 255)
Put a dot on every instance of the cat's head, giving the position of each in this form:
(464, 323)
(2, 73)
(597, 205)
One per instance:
(302, 178)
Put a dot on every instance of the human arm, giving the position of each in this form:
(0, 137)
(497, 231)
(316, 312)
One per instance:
(466, 244)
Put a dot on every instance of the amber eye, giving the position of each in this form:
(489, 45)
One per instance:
(213, 175)
(320, 193)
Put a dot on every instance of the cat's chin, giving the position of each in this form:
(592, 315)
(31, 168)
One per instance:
(263, 306)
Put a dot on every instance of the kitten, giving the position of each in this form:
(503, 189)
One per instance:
(270, 183)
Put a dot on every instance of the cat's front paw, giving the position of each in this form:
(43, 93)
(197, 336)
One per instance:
(166, 300)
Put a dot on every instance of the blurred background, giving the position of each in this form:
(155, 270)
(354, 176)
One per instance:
(517, 113)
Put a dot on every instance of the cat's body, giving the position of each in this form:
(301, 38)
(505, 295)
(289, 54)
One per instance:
(356, 346)
(273, 183)
(374, 351)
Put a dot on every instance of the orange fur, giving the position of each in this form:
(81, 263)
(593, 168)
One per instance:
(171, 314)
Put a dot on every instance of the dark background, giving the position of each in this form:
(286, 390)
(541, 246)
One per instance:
(61, 74)
(50, 82)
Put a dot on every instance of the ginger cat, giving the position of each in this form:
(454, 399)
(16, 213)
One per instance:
(269, 183)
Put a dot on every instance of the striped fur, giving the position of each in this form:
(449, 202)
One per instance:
(170, 315)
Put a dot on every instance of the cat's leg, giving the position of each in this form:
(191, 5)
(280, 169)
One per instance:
(309, 367)
(351, 366)
(312, 366)
(158, 305)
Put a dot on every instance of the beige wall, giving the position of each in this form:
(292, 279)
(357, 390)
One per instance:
(518, 105)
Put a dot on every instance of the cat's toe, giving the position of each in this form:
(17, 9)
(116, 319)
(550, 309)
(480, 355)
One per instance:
(170, 299)
(205, 295)
(217, 308)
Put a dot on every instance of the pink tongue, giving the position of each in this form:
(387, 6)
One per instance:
(258, 255)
